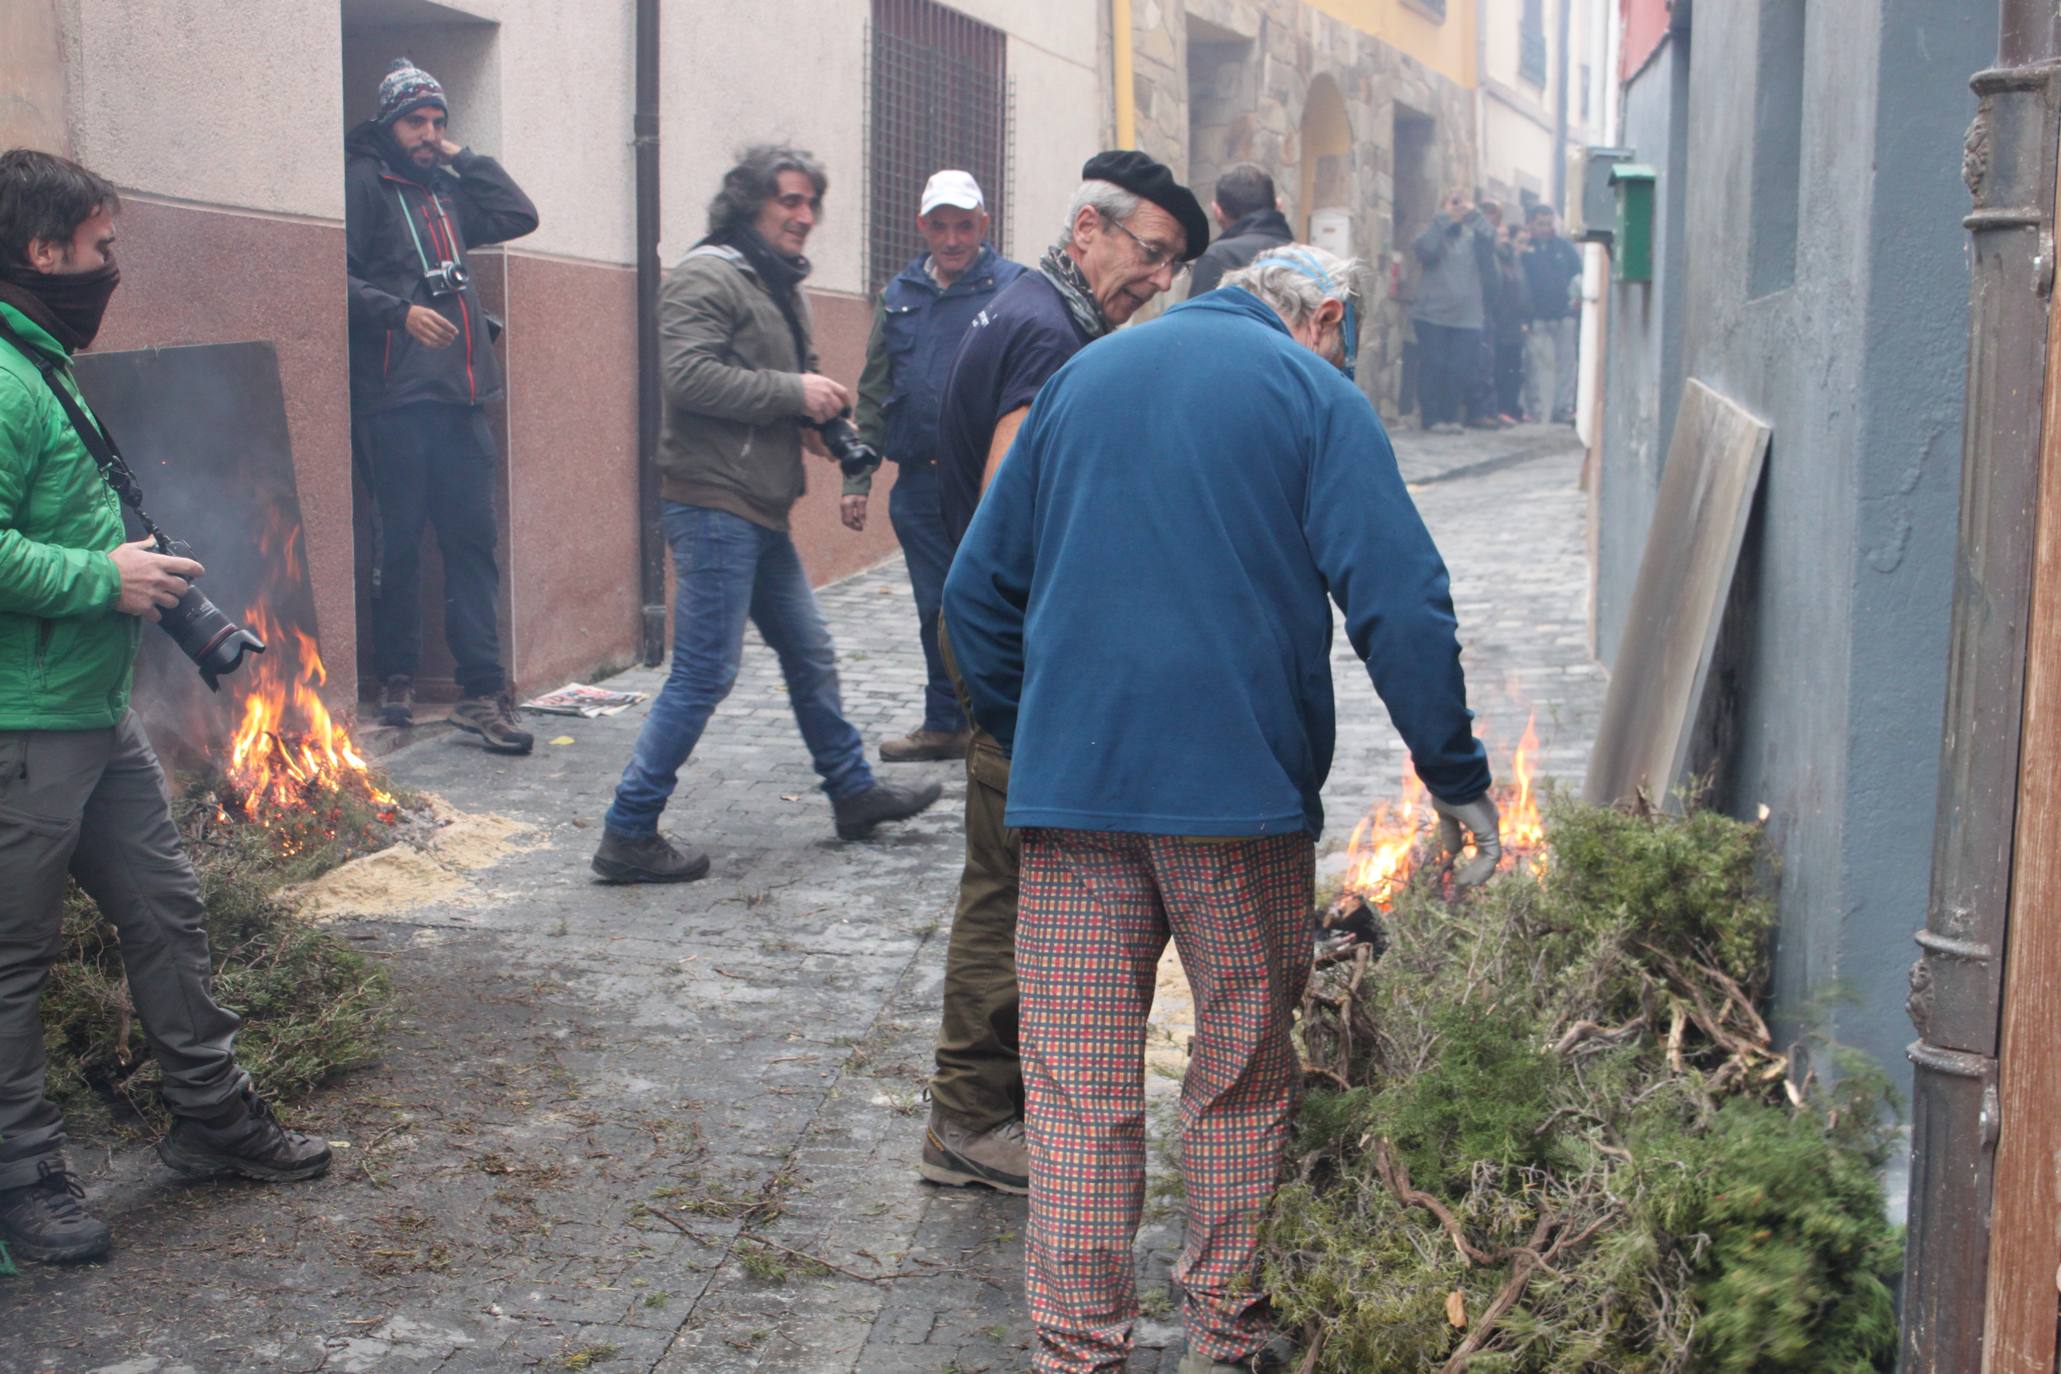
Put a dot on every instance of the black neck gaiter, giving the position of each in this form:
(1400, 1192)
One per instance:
(67, 305)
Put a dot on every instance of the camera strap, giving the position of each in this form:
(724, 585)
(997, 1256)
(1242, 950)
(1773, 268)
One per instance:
(114, 469)
(408, 219)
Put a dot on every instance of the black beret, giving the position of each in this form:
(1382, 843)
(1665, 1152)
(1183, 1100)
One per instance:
(1141, 176)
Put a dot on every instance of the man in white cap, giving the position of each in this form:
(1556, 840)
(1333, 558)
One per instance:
(922, 316)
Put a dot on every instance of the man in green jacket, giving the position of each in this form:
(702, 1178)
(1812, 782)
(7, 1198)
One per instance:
(81, 793)
(742, 398)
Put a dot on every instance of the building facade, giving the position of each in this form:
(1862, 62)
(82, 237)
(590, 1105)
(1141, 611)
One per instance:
(1810, 265)
(1363, 111)
(226, 139)
(1536, 98)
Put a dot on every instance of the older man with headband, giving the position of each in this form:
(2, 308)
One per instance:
(1128, 234)
(1141, 613)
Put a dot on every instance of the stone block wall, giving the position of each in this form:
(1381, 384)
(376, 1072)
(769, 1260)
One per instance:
(1225, 81)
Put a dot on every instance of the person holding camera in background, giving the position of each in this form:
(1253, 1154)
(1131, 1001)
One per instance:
(81, 792)
(743, 398)
(921, 319)
(422, 369)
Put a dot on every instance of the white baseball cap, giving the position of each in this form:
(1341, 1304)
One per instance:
(954, 188)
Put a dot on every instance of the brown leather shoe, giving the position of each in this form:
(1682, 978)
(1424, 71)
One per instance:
(923, 746)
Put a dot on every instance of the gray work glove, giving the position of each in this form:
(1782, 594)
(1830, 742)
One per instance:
(1476, 820)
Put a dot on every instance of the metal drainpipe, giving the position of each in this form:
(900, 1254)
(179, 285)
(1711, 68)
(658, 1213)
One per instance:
(651, 543)
(1560, 113)
(1122, 73)
(1956, 985)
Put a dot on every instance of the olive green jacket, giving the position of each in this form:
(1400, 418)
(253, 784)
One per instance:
(65, 653)
(734, 408)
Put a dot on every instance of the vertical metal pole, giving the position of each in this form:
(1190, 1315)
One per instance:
(651, 543)
(1956, 986)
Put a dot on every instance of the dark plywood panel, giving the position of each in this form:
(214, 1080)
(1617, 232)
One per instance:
(1692, 549)
(204, 427)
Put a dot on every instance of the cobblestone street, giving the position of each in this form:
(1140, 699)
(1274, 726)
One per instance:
(666, 1130)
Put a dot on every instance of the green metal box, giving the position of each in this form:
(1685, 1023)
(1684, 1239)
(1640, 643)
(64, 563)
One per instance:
(1633, 255)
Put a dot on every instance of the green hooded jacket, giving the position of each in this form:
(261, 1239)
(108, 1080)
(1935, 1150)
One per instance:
(66, 653)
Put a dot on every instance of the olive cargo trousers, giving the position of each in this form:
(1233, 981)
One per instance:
(979, 1076)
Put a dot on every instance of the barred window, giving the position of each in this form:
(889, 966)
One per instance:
(938, 97)
(1531, 43)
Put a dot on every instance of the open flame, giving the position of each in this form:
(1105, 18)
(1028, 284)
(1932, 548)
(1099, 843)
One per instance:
(1383, 850)
(288, 748)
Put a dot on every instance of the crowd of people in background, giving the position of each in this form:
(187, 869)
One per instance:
(1495, 319)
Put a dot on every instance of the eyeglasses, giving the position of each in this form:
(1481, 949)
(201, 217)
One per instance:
(1153, 255)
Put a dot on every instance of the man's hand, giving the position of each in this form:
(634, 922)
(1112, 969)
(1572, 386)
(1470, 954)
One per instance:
(430, 329)
(822, 398)
(150, 580)
(449, 149)
(1477, 821)
(852, 510)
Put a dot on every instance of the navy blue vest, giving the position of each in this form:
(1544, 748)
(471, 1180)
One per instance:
(922, 332)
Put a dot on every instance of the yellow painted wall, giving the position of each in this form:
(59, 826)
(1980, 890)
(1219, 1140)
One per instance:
(1446, 46)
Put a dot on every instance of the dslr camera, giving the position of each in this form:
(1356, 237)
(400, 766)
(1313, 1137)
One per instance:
(446, 278)
(853, 454)
(203, 632)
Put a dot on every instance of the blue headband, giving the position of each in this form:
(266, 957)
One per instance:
(1349, 332)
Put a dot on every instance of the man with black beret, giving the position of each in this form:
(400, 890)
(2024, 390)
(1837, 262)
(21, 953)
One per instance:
(1129, 234)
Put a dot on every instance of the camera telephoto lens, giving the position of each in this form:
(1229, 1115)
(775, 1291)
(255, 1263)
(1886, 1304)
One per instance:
(853, 455)
(214, 642)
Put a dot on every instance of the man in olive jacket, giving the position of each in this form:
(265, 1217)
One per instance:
(81, 793)
(739, 369)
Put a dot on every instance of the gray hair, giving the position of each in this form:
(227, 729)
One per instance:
(1297, 278)
(756, 179)
(1106, 198)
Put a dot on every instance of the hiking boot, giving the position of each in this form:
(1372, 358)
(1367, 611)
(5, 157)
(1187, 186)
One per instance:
(1278, 1354)
(397, 701)
(956, 1155)
(926, 745)
(652, 858)
(856, 816)
(244, 1140)
(493, 720)
(43, 1220)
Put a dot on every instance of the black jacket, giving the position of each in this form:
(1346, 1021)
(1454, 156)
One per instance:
(1245, 239)
(396, 227)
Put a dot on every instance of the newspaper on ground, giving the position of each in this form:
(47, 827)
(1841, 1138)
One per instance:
(578, 699)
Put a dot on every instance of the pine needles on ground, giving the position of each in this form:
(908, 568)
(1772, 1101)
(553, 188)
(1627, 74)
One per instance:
(312, 1006)
(1550, 1133)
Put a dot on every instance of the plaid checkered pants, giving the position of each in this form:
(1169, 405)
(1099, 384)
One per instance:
(1096, 910)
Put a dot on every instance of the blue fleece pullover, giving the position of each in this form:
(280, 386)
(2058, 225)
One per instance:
(1139, 608)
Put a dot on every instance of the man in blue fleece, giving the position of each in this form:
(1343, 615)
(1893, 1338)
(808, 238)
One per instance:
(1141, 614)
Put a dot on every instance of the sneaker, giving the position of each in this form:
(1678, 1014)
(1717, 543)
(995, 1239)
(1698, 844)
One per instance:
(248, 1142)
(43, 1220)
(397, 701)
(961, 1157)
(1278, 1354)
(1483, 422)
(857, 815)
(493, 720)
(921, 746)
(649, 858)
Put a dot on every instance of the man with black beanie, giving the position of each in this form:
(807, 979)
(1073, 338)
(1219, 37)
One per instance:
(1129, 235)
(423, 368)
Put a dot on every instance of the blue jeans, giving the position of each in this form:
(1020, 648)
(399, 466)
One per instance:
(728, 569)
(912, 509)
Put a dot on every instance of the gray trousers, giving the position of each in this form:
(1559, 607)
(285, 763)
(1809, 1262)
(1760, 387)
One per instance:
(93, 804)
(1550, 367)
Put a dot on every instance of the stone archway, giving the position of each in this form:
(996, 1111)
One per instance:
(1326, 187)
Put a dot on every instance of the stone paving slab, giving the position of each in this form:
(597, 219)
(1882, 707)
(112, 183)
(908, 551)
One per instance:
(674, 1129)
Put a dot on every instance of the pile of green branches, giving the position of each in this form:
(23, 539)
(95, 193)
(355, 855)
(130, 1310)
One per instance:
(312, 1006)
(1549, 1132)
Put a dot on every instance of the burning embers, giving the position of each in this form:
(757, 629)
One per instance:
(1390, 842)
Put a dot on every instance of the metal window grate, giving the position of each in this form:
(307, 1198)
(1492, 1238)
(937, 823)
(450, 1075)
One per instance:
(1531, 43)
(938, 96)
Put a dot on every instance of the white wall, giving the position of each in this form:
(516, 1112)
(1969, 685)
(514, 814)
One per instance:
(210, 102)
(1059, 121)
